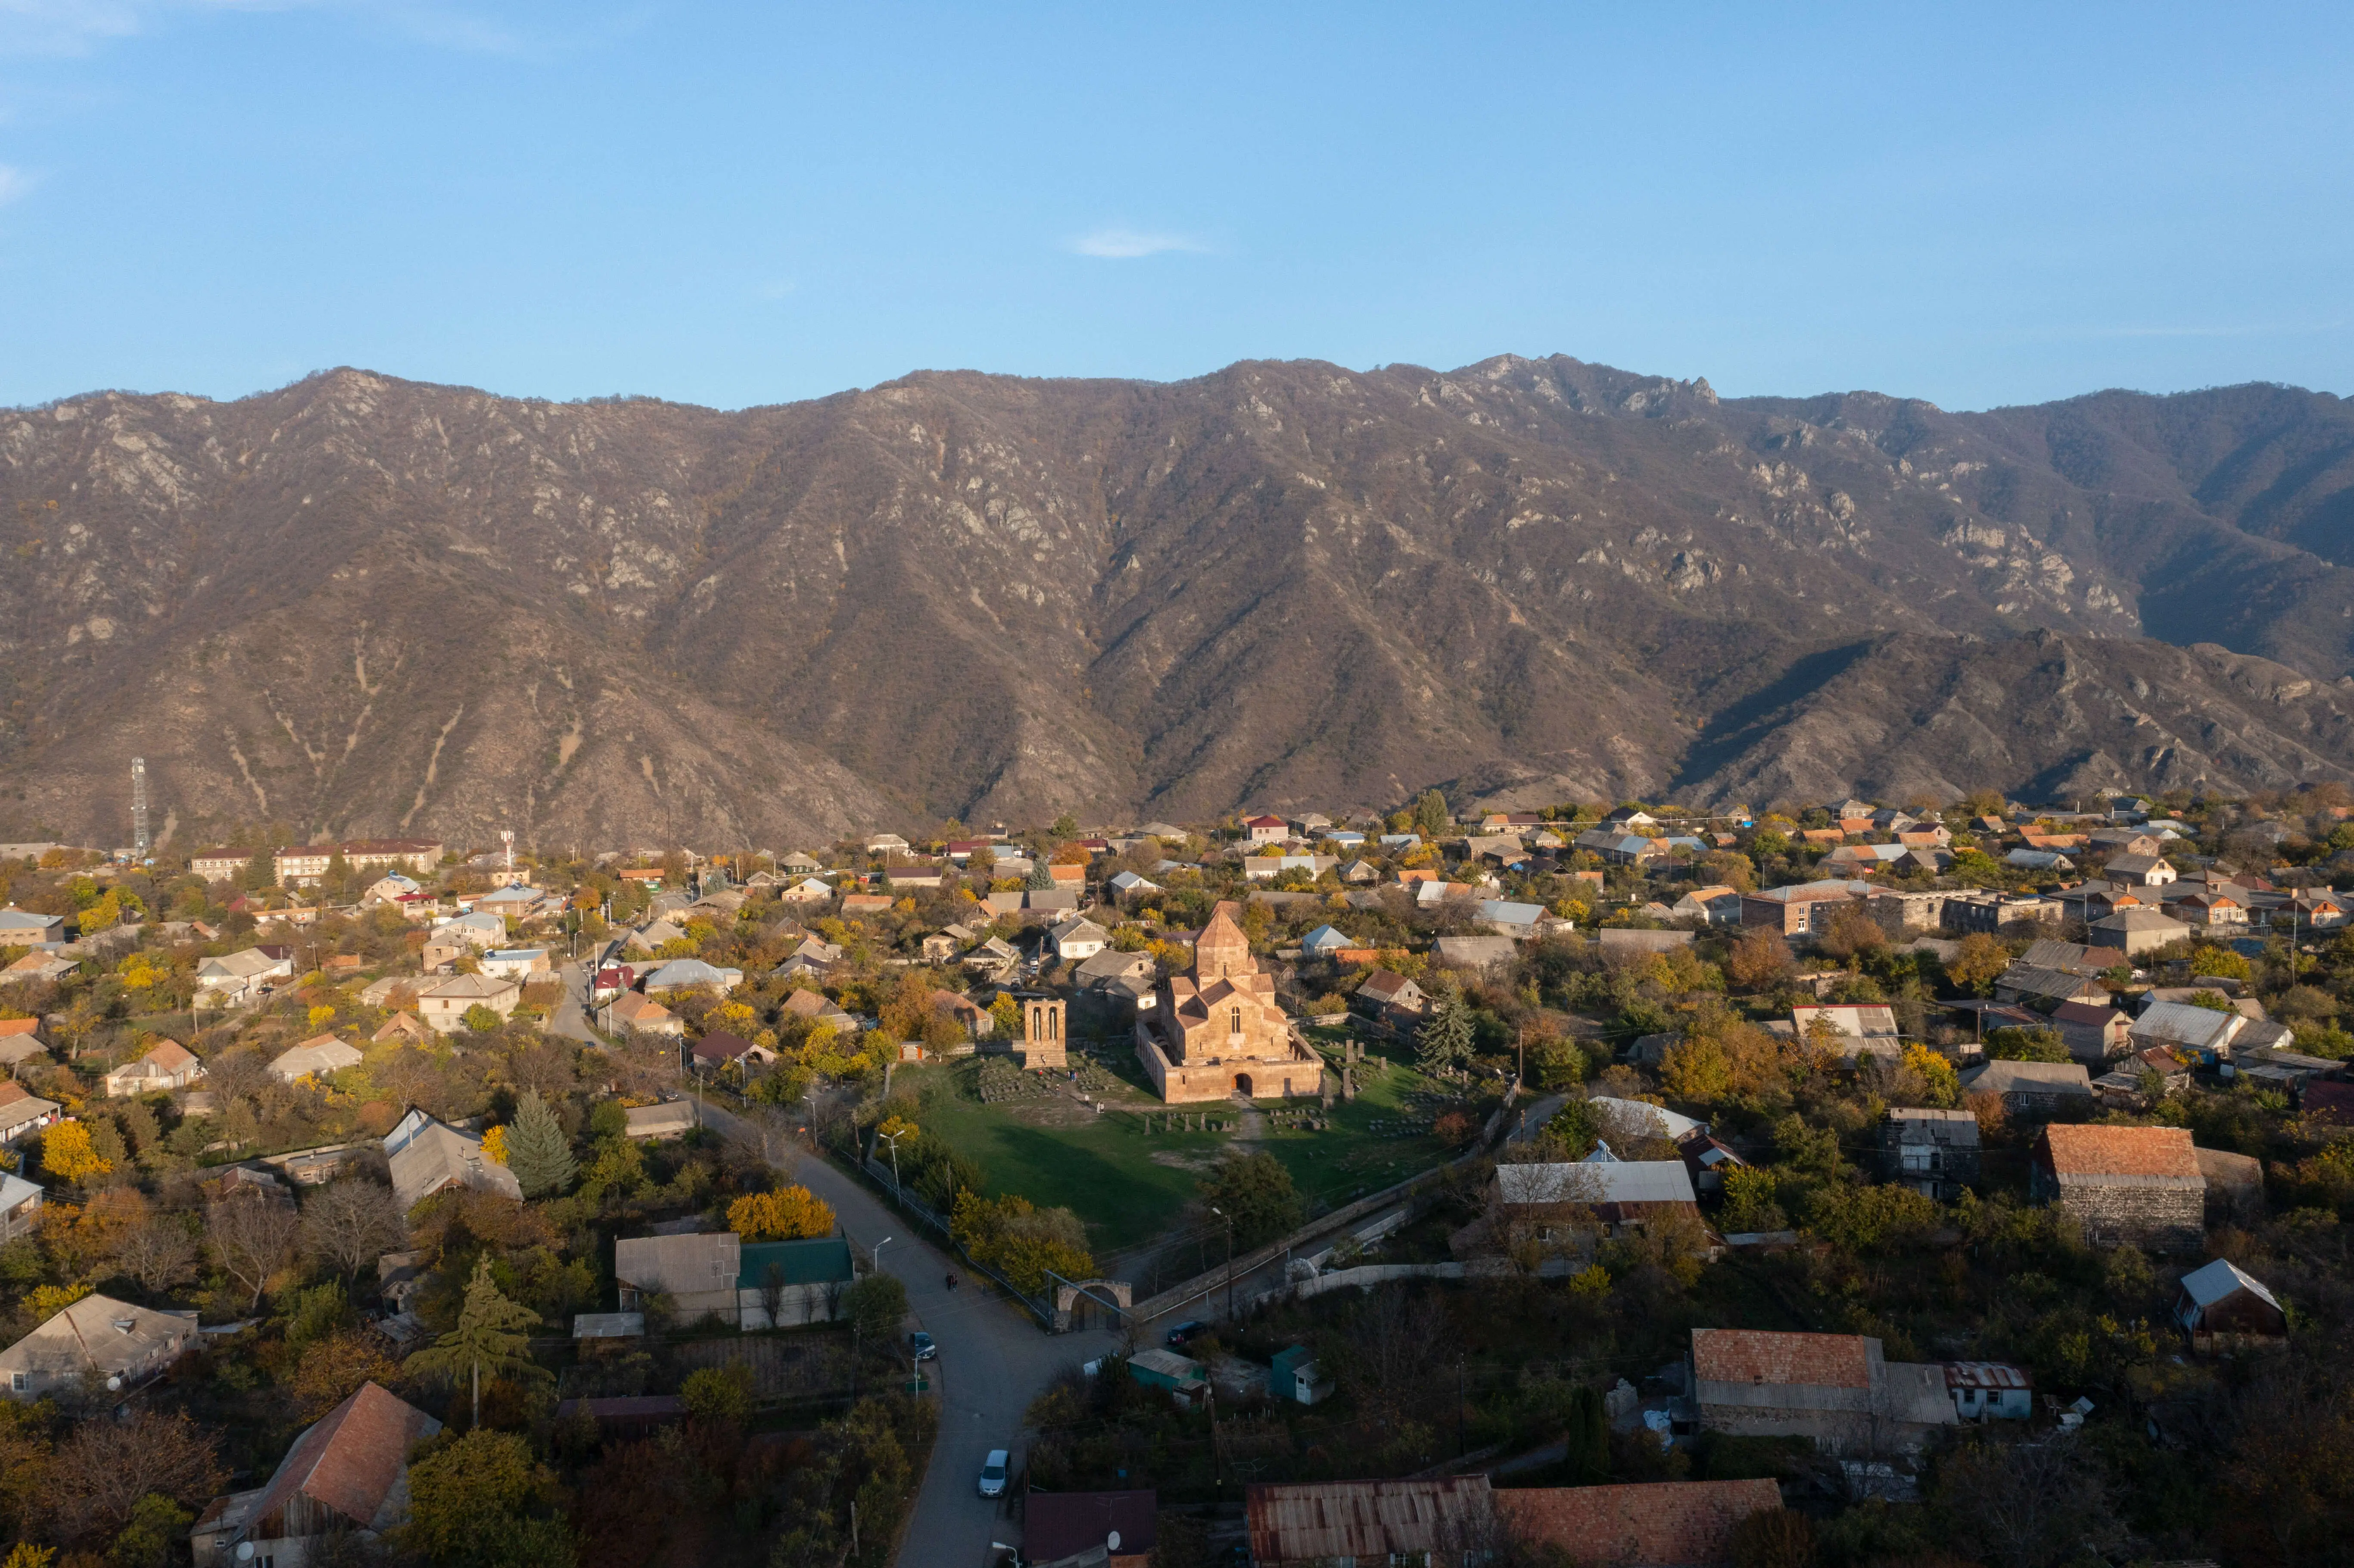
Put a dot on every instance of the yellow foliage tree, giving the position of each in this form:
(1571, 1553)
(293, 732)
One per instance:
(1945, 1084)
(47, 1300)
(67, 1153)
(788, 1213)
(495, 1146)
(25, 1555)
(320, 1014)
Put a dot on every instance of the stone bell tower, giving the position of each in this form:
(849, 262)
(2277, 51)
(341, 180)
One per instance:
(1042, 1033)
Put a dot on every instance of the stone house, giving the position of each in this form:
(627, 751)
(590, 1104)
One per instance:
(2141, 1184)
(2095, 1033)
(167, 1064)
(121, 1344)
(427, 1156)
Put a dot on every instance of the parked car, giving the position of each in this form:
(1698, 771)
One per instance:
(1186, 1332)
(992, 1474)
(919, 1344)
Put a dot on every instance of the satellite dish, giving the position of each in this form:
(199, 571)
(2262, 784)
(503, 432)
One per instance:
(245, 1552)
(114, 1384)
(1111, 1542)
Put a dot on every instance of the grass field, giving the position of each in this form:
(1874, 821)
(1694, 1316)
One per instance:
(1129, 1185)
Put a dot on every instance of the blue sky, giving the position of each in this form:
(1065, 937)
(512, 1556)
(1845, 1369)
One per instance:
(738, 204)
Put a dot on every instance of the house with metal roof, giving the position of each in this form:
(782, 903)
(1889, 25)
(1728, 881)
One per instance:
(2187, 1028)
(1990, 1391)
(1310, 1525)
(2033, 1090)
(2222, 1307)
(429, 1156)
(123, 1344)
(314, 1057)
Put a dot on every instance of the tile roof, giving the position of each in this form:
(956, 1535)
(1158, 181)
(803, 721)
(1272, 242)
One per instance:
(1756, 1355)
(1664, 1524)
(2072, 1149)
(351, 1460)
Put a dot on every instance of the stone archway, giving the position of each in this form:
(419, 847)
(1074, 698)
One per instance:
(1243, 1085)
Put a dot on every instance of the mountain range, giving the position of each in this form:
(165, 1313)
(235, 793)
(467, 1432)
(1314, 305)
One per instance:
(367, 607)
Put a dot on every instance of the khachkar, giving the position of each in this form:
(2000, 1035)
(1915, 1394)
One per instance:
(1042, 1034)
(1215, 1032)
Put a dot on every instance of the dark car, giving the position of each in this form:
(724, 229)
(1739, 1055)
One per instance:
(919, 1344)
(1185, 1334)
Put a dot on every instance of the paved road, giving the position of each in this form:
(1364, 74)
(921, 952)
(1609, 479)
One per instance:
(994, 1361)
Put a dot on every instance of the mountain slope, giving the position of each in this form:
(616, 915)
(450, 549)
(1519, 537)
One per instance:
(361, 605)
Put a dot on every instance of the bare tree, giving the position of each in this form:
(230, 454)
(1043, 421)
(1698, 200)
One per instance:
(102, 1469)
(238, 1074)
(252, 1235)
(351, 1224)
(160, 1253)
(542, 1066)
(763, 1136)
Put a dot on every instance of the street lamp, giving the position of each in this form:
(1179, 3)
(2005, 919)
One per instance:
(893, 1139)
(878, 1253)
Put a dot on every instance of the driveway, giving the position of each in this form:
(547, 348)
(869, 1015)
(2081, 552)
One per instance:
(994, 1361)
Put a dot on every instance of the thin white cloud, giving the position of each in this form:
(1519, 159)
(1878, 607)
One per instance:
(1128, 244)
(74, 27)
(14, 182)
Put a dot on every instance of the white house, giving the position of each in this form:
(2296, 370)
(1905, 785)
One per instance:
(314, 1057)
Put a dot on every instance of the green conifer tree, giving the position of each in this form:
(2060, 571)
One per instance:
(537, 1151)
(1444, 1042)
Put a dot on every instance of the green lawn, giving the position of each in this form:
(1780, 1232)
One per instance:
(1103, 1168)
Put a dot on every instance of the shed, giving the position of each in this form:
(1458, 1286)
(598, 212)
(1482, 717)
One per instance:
(1294, 1374)
(1166, 1369)
(2224, 1307)
(666, 1119)
(1990, 1391)
(1837, 1389)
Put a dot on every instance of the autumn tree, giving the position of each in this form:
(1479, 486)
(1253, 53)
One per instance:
(493, 1335)
(1978, 961)
(68, 1155)
(1758, 960)
(334, 1368)
(252, 1235)
(788, 1213)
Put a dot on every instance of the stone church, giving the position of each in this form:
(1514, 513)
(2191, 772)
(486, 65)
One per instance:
(1217, 1031)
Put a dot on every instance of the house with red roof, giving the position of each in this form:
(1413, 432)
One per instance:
(348, 1474)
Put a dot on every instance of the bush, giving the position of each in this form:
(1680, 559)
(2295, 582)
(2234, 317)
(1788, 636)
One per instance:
(875, 1305)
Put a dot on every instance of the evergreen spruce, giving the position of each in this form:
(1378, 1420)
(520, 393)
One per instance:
(537, 1151)
(1444, 1043)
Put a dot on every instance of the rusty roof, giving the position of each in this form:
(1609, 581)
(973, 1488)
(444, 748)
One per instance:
(2072, 1149)
(1757, 1355)
(1307, 1521)
(1664, 1524)
(350, 1459)
(1987, 1374)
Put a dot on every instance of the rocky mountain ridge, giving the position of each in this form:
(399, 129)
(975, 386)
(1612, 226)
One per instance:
(358, 605)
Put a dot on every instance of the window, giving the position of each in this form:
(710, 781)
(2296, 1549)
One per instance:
(1235, 1022)
(16, 1382)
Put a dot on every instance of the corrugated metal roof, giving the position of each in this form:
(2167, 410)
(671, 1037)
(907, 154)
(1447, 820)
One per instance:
(1987, 1374)
(1303, 1521)
(2223, 1278)
(1599, 1182)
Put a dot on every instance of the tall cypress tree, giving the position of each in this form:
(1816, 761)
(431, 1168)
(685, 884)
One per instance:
(1586, 1461)
(537, 1151)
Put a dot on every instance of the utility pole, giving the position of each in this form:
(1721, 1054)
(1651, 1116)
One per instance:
(141, 845)
(1230, 1259)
